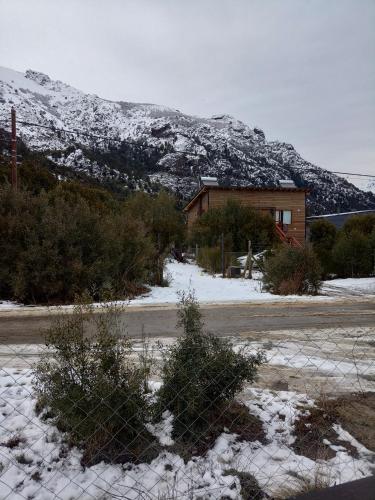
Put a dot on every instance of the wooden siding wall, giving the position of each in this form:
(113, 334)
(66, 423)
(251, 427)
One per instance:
(195, 210)
(261, 200)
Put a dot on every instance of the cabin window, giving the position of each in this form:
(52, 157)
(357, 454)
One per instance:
(287, 216)
(283, 216)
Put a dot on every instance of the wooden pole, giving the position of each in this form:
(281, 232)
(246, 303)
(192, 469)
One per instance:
(222, 256)
(250, 260)
(14, 150)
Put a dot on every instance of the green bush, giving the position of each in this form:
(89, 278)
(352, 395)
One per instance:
(292, 271)
(91, 389)
(200, 373)
(164, 226)
(348, 252)
(72, 240)
(238, 223)
(353, 255)
(364, 224)
(323, 236)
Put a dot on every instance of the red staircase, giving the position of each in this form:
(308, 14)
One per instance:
(285, 238)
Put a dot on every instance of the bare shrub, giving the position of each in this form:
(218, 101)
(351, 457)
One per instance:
(303, 484)
(292, 271)
(209, 259)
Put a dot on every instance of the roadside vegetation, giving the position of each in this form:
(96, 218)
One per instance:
(93, 390)
(59, 240)
(349, 252)
(201, 376)
(290, 270)
(92, 385)
(238, 224)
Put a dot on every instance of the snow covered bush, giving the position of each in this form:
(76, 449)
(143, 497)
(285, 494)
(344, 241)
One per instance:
(90, 388)
(201, 374)
(292, 271)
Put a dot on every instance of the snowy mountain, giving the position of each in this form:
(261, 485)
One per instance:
(361, 182)
(143, 145)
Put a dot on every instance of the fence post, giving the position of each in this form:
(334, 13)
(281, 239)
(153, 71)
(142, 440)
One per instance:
(222, 256)
(249, 262)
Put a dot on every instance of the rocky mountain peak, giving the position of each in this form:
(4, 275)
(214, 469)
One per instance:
(143, 145)
(38, 77)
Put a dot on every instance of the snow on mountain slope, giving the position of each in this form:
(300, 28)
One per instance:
(159, 144)
(363, 183)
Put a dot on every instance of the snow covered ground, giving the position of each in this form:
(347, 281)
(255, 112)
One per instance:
(7, 304)
(41, 466)
(355, 286)
(207, 288)
(214, 289)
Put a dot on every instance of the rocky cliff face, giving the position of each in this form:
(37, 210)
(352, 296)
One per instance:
(143, 146)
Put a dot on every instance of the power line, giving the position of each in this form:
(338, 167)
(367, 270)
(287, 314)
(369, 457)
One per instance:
(135, 143)
(351, 173)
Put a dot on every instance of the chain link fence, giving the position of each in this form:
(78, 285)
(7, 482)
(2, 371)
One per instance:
(95, 415)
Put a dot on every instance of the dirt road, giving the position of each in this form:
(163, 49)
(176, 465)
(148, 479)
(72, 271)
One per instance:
(27, 326)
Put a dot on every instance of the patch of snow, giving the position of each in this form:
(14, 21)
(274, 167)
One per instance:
(209, 288)
(163, 430)
(8, 305)
(361, 182)
(44, 451)
(214, 289)
(363, 285)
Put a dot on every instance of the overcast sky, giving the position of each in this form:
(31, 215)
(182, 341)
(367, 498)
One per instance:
(302, 70)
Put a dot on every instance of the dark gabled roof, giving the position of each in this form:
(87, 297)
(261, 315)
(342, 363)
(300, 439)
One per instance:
(204, 189)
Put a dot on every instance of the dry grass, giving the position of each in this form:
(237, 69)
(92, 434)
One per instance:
(310, 430)
(250, 489)
(354, 412)
(300, 485)
(292, 285)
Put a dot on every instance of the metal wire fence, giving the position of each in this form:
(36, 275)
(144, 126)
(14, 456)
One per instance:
(162, 418)
(229, 264)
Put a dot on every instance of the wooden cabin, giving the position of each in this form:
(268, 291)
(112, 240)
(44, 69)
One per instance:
(285, 203)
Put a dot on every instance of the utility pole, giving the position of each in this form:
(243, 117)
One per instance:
(14, 150)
